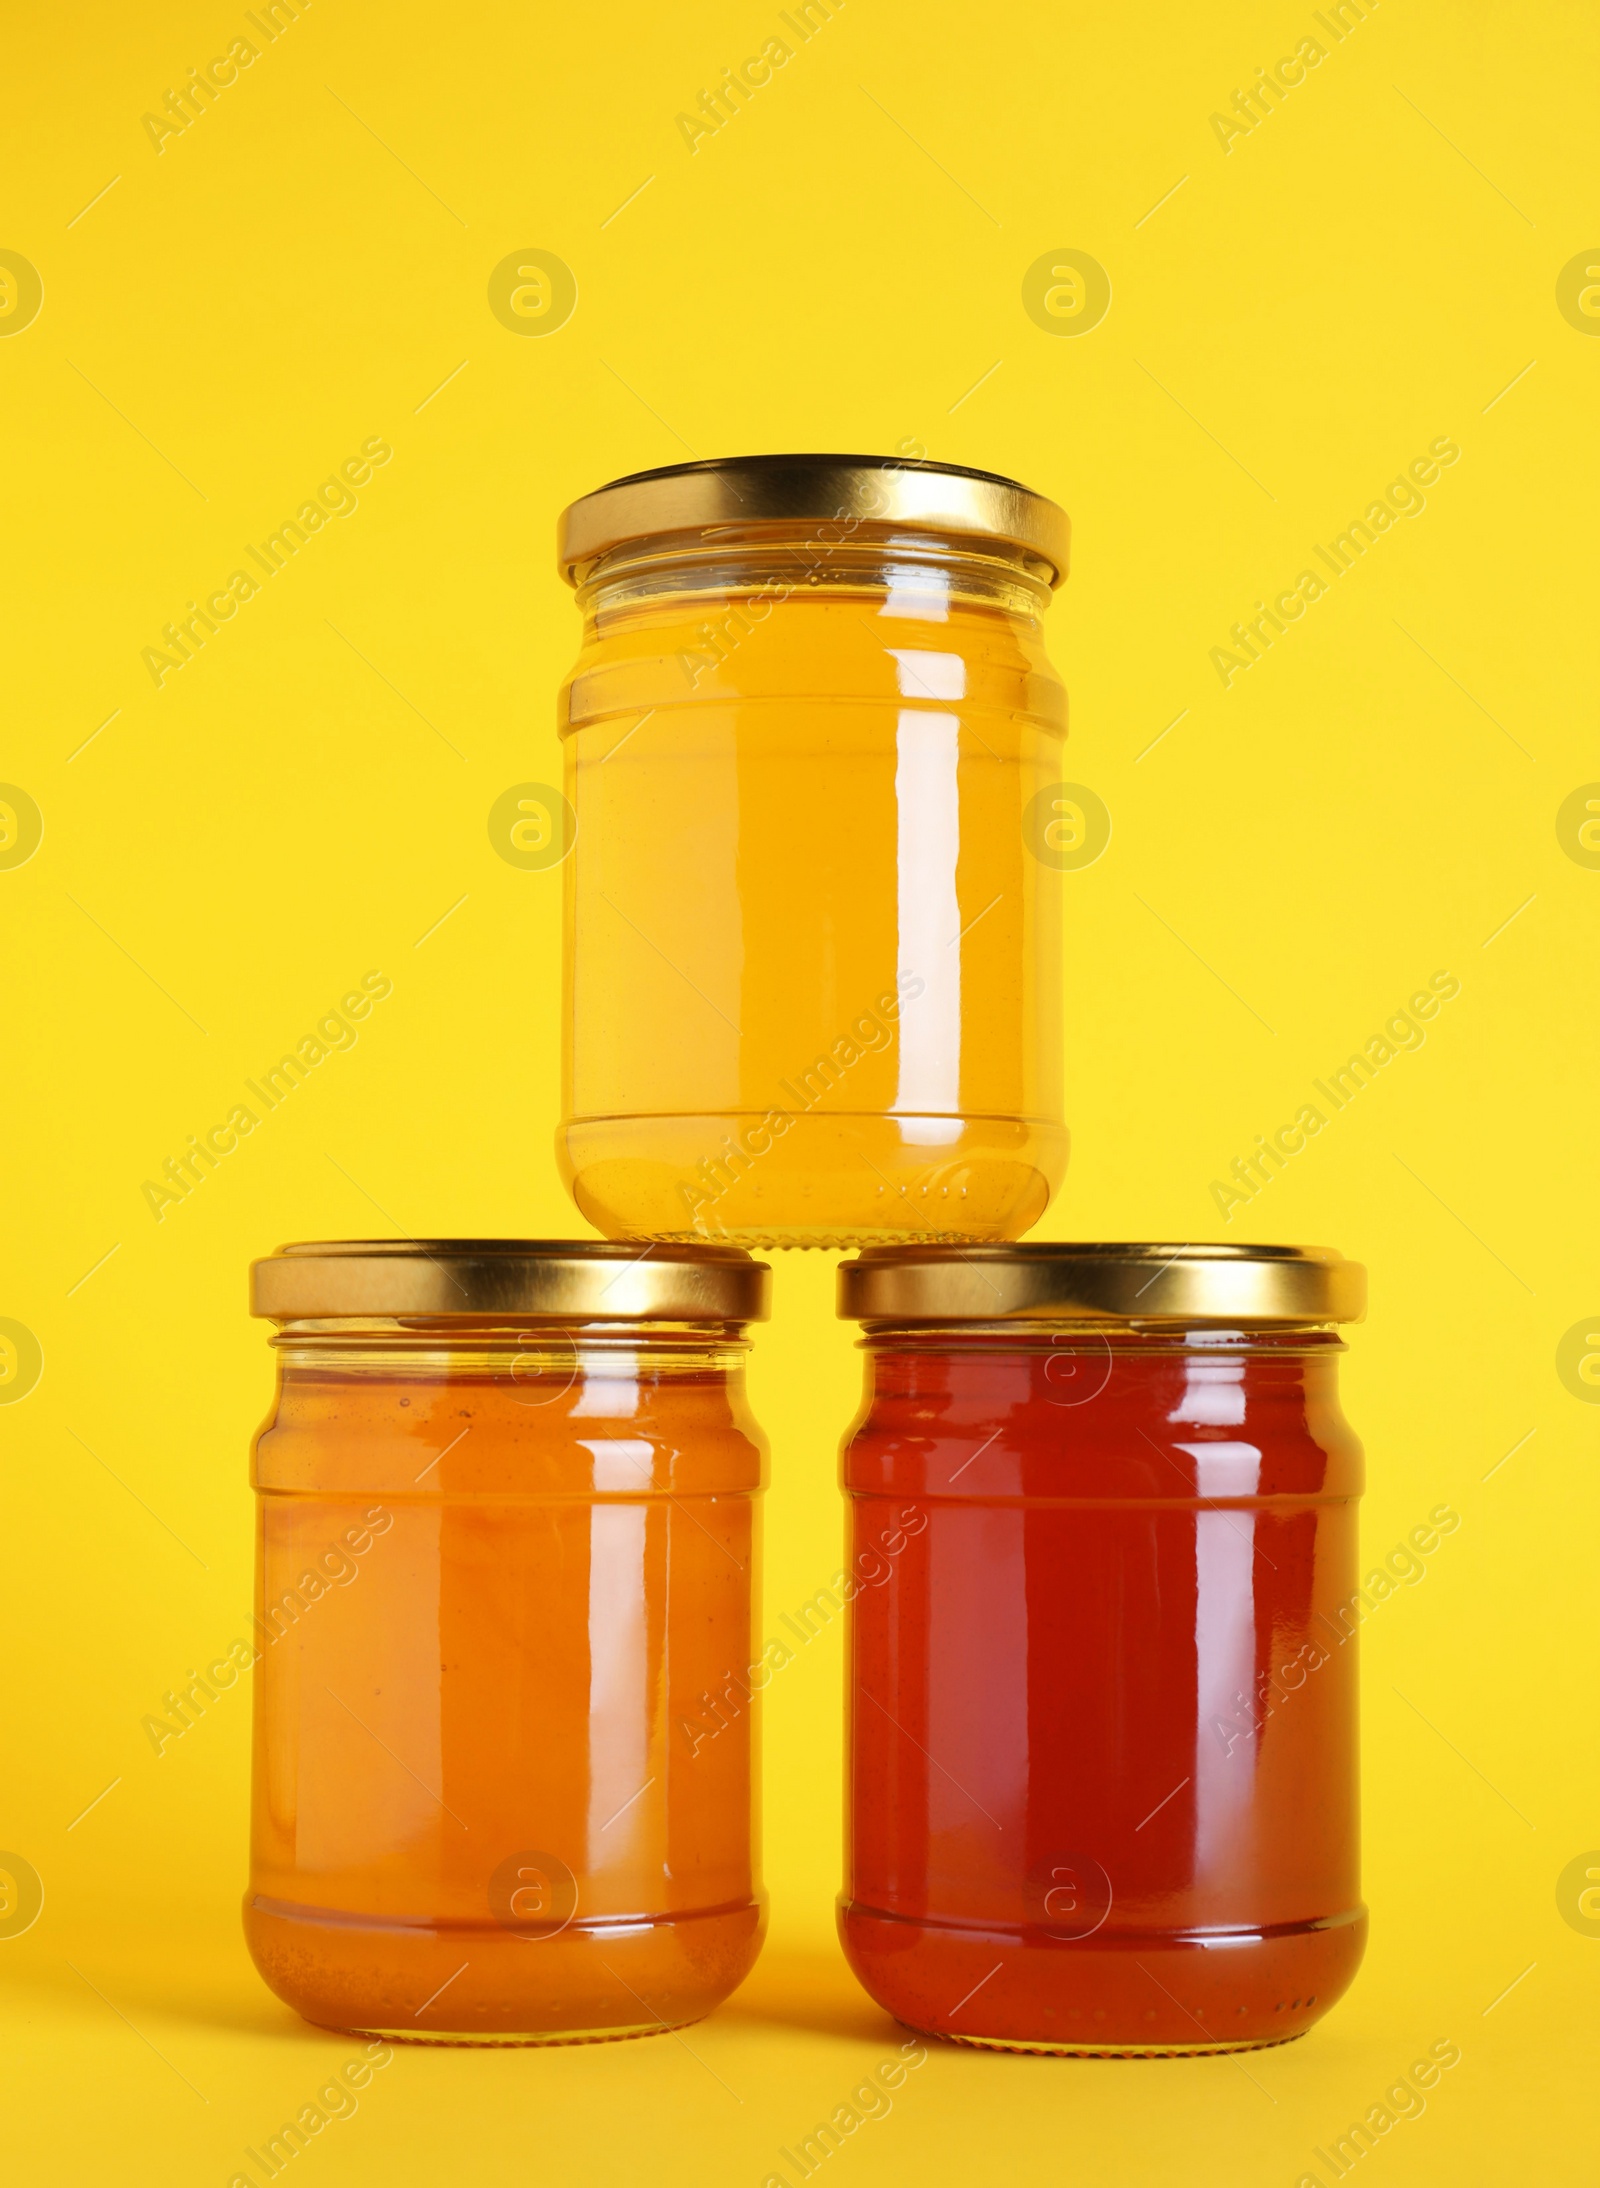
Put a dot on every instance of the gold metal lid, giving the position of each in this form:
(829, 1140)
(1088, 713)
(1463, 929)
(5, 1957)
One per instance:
(564, 1280)
(737, 495)
(1083, 1282)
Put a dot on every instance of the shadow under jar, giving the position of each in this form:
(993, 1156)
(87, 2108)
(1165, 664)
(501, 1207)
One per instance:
(813, 746)
(1102, 1747)
(507, 1538)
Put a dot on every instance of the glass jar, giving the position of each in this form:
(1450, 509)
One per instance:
(1103, 1695)
(508, 1497)
(813, 907)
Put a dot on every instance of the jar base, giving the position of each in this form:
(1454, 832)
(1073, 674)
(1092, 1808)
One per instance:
(478, 1983)
(1124, 1994)
(1114, 2051)
(515, 2040)
(832, 1179)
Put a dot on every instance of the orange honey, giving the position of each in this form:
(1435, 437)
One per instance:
(500, 1563)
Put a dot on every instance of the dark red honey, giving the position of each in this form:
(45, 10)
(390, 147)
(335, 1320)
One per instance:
(1102, 1745)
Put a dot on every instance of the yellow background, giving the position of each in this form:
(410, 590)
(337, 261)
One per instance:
(1305, 312)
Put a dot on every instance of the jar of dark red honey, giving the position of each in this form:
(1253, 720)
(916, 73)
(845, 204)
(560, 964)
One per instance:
(1102, 1739)
(508, 1497)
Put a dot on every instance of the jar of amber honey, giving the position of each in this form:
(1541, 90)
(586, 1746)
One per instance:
(1103, 1706)
(813, 747)
(507, 1544)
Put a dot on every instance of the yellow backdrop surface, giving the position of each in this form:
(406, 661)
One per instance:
(239, 248)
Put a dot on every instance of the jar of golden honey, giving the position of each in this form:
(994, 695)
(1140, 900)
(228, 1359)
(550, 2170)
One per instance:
(1103, 1787)
(507, 1547)
(813, 747)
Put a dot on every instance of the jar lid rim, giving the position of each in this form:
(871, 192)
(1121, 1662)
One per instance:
(559, 1280)
(1103, 1280)
(909, 493)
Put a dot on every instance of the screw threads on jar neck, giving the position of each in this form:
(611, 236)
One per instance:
(777, 567)
(385, 1347)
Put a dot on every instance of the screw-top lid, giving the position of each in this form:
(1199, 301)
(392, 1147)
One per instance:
(561, 1280)
(740, 496)
(1095, 1282)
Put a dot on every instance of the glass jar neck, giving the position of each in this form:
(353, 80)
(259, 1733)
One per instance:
(521, 1351)
(930, 572)
(984, 1339)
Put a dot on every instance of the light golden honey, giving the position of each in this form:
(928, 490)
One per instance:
(814, 964)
